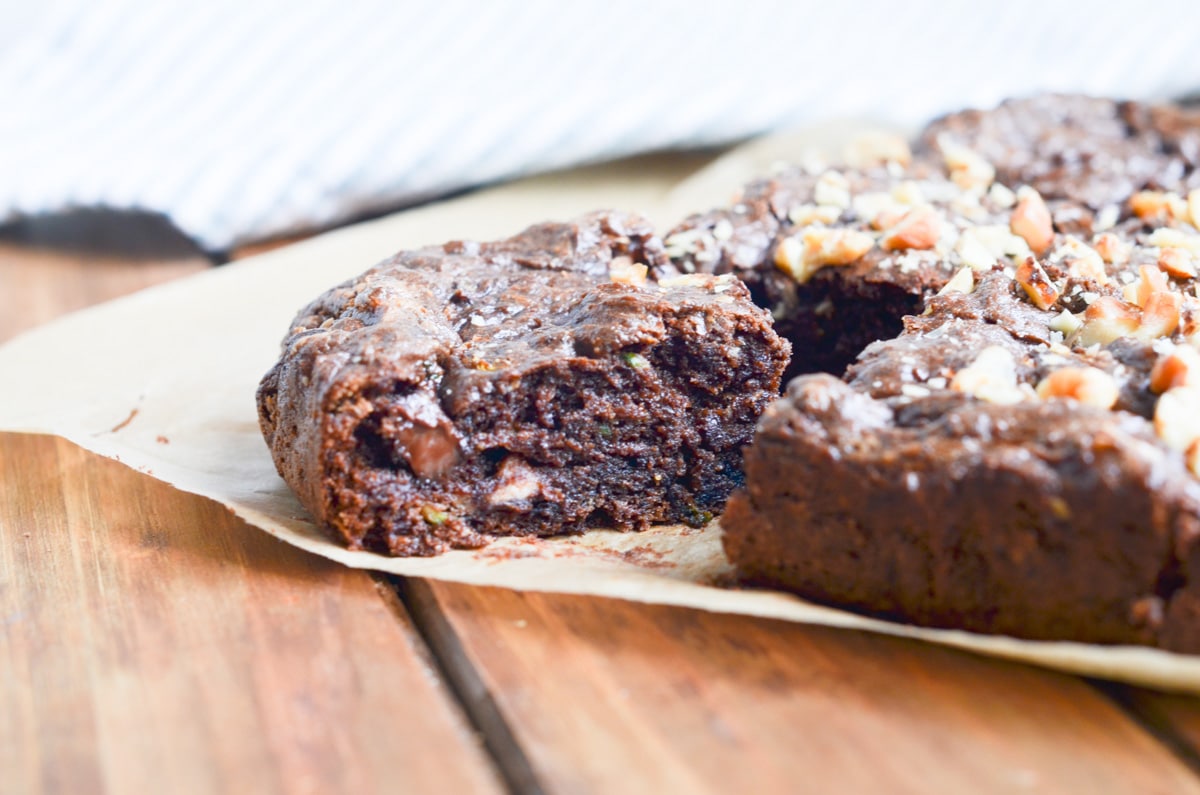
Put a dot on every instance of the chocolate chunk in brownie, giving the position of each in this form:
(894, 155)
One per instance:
(1084, 154)
(533, 386)
(1022, 459)
(840, 255)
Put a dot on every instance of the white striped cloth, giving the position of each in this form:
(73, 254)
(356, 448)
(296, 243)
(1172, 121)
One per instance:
(240, 120)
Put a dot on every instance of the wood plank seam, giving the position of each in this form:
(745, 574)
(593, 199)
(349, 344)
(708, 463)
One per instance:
(466, 684)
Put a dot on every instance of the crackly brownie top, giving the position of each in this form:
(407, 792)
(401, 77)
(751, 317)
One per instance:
(1097, 152)
(477, 313)
(1112, 323)
(882, 217)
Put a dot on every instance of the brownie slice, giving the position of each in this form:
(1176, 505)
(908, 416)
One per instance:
(1022, 459)
(532, 386)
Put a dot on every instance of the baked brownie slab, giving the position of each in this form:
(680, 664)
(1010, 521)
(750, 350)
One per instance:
(1022, 459)
(534, 386)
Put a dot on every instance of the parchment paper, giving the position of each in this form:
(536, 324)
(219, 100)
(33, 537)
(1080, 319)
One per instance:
(164, 381)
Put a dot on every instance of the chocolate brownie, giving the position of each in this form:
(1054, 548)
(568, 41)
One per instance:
(532, 386)
(1022, 459)
(1083, 154)
(840, 255)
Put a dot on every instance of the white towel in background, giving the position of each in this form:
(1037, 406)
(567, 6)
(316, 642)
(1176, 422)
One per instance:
(242, 120)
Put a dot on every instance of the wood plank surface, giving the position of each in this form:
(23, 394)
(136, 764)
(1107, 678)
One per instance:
(607, 696)
(38, 285)
(154, 643)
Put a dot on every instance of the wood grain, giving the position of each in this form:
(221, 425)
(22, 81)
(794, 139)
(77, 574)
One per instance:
(606, 696)
(152, 642)
(38, 285)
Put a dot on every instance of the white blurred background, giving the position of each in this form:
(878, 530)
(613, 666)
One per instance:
(241, 121)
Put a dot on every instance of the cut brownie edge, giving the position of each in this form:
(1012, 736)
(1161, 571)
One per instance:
(977, 520)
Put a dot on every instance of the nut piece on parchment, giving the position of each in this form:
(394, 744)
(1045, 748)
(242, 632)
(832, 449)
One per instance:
(1088, 385)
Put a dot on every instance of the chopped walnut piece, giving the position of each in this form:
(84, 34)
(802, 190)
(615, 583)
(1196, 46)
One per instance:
(874, 148)
(1177, 262)
(1152, 281)
(992, 377)
(832, 190)
(1192, 457)
(1036, 283)
(981, 247)
(1088, 385)
(1065, 323)
(1111, 248)
(801, 257)
(1160, 316)
(1176, 420)
(808, 214)
(967, 168)
(961, 282)
(1193, 203)
(1150, 205)
(1166, 237)
(1001, 196)
(879, 209)
(1179, 366)
(920, 228)
(1082, 261)
(1031, 220)
(623, 270)
(1105, 320)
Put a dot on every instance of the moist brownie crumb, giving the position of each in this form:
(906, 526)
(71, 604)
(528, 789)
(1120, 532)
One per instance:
(1022, 459)
(532, 386)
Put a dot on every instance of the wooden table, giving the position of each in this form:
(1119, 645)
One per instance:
(153, 643)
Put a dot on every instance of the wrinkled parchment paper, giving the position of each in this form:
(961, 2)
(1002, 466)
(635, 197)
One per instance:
(164, 381)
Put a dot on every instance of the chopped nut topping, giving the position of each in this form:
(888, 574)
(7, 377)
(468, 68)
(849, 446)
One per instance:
(981, 247)
(1036, 283)
(967, 168)
(1177, 262)
(808, 214)
(1176, 420)
(1111, 248)
(992, 377)
(1160, 316)
(1088, 385)
(1065, 323)
(1192, 458)
(874, 148)
(909, 192)
(1031, 220)
(1193, 203)
(1001, 196)
(879, 209)
(832, 190)
(708, 280)
(961, 282)
(1174, 238)
(623, 270)
(802, 256)
(1083, 261)
(1105, 320)
(1152, 205)
(1180, 366)
(920, 228)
